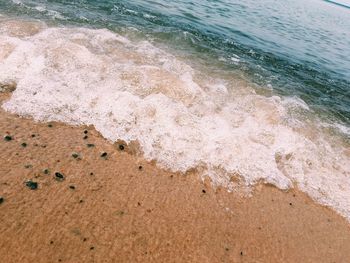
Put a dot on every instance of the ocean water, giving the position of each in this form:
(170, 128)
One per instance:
(242, 91)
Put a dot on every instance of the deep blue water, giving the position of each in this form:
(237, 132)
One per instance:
(295, 48)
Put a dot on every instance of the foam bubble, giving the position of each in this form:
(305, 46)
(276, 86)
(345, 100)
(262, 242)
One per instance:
(182, 118)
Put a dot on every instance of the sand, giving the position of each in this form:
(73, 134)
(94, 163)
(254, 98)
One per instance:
(120, 208)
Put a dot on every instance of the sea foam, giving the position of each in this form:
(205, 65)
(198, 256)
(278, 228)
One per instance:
(181, 118)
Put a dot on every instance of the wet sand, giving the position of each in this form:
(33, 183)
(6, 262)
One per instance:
(116, 207)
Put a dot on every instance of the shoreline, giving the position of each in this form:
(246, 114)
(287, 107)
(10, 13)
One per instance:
(116, 207)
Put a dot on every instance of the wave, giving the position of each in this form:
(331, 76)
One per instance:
(182, 117)
(343, 3)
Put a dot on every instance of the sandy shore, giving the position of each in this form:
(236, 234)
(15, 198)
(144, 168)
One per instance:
(119, 208)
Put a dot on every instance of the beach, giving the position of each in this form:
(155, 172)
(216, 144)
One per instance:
(121, 208)
(182, 131)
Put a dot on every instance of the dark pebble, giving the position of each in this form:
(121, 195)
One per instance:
(27, 166)
(46, 171)
(92, 248)
(59, 176)
(8, 138)
(104, 154)
(32, 185)
(75, 155)
(85, 131)
(241, 253)
(33, 135)
(140, 167)
(91, 173)
(85, 137)
(290, 204)
(24, 145)
(84, 239)
(50, 126)
(1, 199)
(203, 191)
(81, 201)
(121, 147)
(51, 242)
(72, 187)
(90, 145)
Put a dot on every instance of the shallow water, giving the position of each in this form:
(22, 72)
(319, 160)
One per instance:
(255, 91)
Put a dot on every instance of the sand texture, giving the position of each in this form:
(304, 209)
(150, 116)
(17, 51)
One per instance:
(115, 207)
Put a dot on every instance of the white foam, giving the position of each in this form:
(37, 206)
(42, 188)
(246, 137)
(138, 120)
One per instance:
(181, 118)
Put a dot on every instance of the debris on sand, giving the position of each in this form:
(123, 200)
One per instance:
(32, 185)
(59, 176)
(8, 138)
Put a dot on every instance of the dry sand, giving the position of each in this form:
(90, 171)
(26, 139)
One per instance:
(109, 209)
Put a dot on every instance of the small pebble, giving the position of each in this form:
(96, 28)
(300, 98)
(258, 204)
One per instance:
(33, 135)
(84, 239)
(50, 125)
(51, 242)
(27, 166)
(92, 248)
(91, 173)
(241, 253)
(32, 185)
(85, 131)
(90, 145)
(72, 187)
(7, 138)
(59, 176)
(75, 155)
(1, 199)
(46, 171)
(104, 154)
(140, 167)
(290, 204)
(121, 147)
(203, 191)
(85, 137)
(24, 145)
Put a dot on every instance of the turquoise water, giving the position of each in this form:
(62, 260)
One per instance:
(295, 48)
